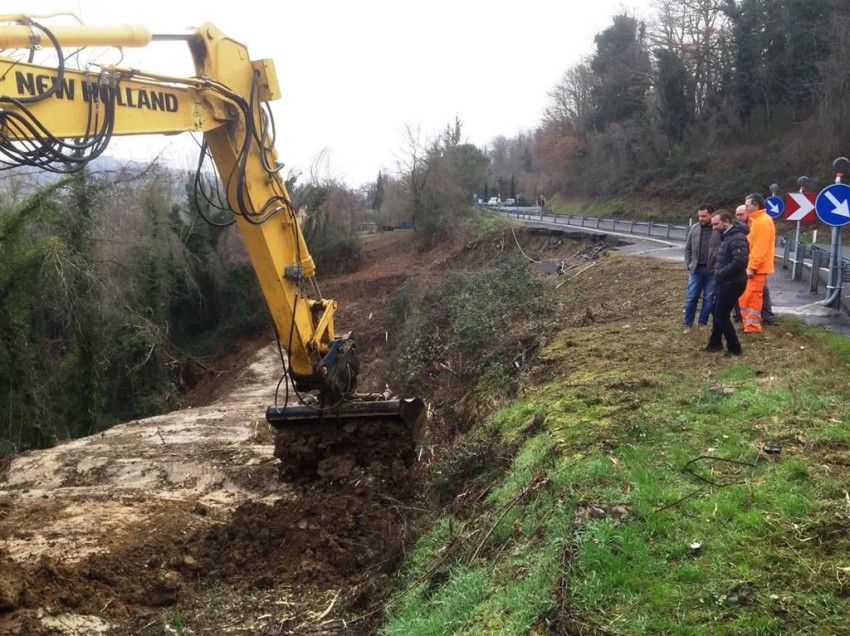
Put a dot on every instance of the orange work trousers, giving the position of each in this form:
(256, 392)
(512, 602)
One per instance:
(751, 301)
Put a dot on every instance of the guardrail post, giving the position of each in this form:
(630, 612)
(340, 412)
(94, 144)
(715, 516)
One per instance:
(786, 255)
(815, 280)
(797, 261)
(669, 227)
(631, 227)
(598, 220)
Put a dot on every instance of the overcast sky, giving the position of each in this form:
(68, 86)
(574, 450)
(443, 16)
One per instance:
(354, 73)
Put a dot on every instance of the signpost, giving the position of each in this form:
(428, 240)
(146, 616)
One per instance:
(774, 206)
(833, 208)
(833, 204)
(800, 206)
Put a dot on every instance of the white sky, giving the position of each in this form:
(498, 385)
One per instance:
(354, 73)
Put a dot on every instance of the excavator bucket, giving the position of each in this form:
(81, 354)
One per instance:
(331, 443)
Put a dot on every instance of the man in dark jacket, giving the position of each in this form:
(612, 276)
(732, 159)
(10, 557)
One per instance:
(767, 315)
(730, 272)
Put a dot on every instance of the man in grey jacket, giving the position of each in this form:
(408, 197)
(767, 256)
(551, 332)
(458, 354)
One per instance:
(701, 246)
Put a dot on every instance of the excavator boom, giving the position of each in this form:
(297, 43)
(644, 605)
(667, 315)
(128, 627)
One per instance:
(59, 119)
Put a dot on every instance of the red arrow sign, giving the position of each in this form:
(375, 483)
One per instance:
(800, 206)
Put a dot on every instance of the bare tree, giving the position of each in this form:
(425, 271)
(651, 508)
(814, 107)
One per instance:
(570, 107)
(697, 31)
(414, 167)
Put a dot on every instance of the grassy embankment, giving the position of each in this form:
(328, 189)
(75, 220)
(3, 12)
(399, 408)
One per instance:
(621, 208)
(578, 507)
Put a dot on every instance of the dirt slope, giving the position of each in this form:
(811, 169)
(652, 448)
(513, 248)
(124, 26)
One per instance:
(180, 522)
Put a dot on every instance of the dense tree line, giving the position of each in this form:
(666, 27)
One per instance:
(709, 98)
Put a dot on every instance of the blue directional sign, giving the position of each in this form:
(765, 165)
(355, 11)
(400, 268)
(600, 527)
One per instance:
(774, 206)
(833, 204)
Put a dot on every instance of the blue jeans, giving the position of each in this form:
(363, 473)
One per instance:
(700, 283)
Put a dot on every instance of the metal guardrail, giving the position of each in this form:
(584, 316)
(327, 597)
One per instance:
(794, 258)
(668, 231)
(817, 257)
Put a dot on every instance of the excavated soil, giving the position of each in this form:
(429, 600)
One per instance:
(181, 524)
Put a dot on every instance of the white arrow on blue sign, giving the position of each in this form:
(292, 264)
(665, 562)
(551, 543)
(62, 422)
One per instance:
(833, 204)
(774, 206)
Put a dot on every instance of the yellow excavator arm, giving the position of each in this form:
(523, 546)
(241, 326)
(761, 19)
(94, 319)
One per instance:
(70, 104)
(58, 118)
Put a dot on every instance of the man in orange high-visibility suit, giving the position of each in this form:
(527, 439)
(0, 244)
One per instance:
(762, 239)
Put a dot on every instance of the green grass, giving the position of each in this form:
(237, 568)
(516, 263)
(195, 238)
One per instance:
(483, 225)
(176, 624)
(589, 528)
(621, 208)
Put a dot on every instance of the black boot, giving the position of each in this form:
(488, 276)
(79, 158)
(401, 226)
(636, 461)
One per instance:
(715, 342)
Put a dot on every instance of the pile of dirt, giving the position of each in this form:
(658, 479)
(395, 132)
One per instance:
(325, 538)
(135, 573)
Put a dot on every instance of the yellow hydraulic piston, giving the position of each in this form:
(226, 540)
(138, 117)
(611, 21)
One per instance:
(24, 37)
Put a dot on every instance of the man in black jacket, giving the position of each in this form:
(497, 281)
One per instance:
(730, 272)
